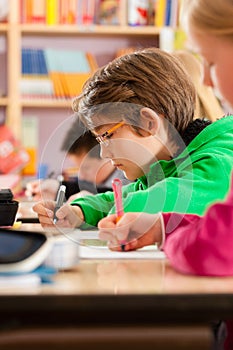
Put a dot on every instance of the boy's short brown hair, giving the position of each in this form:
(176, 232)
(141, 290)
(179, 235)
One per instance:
(148, 78)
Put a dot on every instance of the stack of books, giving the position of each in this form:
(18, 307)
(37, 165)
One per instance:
(167, 13)
(35, 80)
(104, 12)
(54, 12)
(54, 73)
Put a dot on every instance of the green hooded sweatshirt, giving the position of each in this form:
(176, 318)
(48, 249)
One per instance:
(189, 183)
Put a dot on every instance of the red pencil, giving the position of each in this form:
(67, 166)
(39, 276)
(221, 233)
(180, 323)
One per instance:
(117, 190)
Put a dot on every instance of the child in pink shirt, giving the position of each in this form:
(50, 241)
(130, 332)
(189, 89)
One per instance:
(194, 244)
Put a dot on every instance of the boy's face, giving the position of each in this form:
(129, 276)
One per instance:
(129, 152)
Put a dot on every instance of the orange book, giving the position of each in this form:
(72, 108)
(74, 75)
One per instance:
(64, 83)
(74, 82)
(27, 13)
(72, 11)
(57, 85)
(31, 167)
(30, 142)
(92, 62)
(67, 11)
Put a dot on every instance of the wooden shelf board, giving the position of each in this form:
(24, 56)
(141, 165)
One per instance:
(46, 103)
(89, 30)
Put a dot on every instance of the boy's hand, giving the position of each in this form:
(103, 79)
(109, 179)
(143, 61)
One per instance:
(135, 230)
(68, 216)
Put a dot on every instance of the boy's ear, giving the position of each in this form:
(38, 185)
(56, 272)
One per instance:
(150, 120)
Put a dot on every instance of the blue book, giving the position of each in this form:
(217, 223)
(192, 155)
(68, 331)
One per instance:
(43, 70)
(168, 13)
(26, 61)
(23, 60)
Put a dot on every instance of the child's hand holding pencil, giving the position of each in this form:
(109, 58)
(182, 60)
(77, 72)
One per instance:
(117, 190)
(134, 230)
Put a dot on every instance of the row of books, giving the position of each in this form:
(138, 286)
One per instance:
(54, 73)
(103, 12)
(167, 13)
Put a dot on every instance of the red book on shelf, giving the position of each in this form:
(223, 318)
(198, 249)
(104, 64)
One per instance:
(13, 156)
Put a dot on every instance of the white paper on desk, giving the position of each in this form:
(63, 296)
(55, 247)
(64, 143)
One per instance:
(93, 252)
(99, 252)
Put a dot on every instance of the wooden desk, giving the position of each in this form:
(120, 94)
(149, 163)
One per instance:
(111, 304)
(134, 304)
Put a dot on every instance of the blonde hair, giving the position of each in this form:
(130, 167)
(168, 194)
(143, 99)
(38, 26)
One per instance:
(214, 17)
(207, 104)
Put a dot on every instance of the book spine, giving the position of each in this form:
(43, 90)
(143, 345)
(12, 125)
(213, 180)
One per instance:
(35, 81)
(28, 10)
(72, 11)
(160, 13)
(168, 12)
(38, 11)
(52, 12)
(88, 11)
(138, 12)
(174, 13)
(63, 8)
(109, 12)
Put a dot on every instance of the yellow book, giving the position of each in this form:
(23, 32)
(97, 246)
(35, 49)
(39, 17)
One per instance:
(51, 12)
(160, 13)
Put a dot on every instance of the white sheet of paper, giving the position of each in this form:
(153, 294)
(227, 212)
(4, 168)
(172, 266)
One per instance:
(92, 252)
(89, 251)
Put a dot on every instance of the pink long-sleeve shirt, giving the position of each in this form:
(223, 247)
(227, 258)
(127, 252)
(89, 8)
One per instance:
(201, 245)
